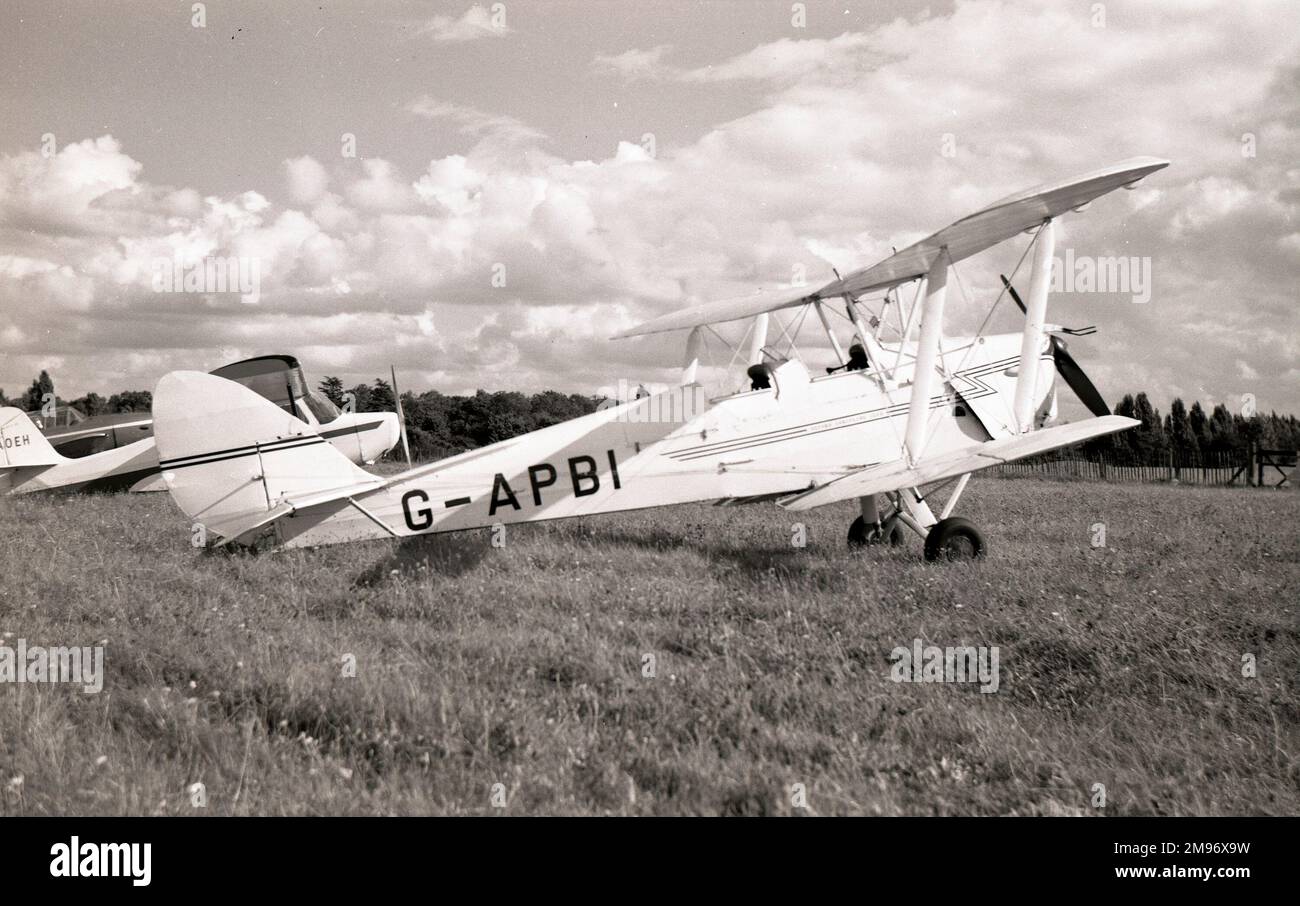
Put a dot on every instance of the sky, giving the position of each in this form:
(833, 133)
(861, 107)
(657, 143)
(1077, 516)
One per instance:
(481, 194)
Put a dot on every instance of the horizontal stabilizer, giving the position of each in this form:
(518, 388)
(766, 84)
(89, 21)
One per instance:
(234, 529)
(896, 475)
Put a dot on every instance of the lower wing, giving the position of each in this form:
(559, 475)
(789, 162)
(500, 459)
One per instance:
(896, 475)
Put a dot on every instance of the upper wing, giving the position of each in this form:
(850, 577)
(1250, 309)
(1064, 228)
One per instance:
(972, 234)
(719, 312)
(995, 223)
(893, 476)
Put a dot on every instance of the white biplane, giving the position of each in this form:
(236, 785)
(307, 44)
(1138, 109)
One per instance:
(123, 456)
(896, 418)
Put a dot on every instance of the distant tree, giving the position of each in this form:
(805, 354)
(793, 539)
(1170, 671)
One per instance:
(130, 401)
(90, 404)
(381, 397)
(1178, 428)
(332, 387)
(1249, 430)
(1199, 426)
(1223, 432)
(35, 396)
(360, 398)
(1148, 439)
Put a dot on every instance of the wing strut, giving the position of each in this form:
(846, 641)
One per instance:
(1031, 344)
(830, 334)
(927, 352)
(758, 339)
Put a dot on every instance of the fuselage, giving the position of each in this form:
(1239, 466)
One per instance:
(677, 447)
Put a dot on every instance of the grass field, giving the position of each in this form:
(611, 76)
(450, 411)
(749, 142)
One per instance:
(523, 666)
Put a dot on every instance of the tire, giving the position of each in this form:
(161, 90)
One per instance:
(954, 539)
(891, 532)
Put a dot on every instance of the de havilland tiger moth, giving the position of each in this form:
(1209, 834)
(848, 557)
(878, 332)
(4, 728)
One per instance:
(118, 452)
(894, 419)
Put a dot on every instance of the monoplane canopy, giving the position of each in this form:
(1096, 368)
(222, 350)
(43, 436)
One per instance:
(279, 378)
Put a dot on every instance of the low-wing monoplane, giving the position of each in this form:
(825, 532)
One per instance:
(895, 420)
(119, 452)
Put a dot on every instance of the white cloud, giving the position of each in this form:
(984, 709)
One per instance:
(636, 64)
(471, 121)
(840, 159)
(307, 179)
(381, 189)
(57, 193)
(475, 23)
(786, 60)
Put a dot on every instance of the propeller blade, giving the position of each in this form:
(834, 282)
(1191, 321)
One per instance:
(1015, 296)
(1066, 366)
(1079, 382)
(401, 416)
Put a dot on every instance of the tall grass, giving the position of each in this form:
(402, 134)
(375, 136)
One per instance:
(525, 666)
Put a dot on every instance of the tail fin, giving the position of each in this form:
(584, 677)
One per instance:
(22, 444)
(230, 457)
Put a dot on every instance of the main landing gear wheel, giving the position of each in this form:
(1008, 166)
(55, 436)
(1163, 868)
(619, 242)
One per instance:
(954, 539)
(862, 533)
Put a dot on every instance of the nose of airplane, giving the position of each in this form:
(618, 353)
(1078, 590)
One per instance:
(383, 438)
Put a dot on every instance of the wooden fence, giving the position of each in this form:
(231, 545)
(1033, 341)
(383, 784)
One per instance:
(1213, 468)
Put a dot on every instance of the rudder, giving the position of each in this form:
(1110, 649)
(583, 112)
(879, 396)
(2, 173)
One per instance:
(22, 444)
(229, 456)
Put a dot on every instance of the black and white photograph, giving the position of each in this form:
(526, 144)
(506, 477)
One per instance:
(691, 408)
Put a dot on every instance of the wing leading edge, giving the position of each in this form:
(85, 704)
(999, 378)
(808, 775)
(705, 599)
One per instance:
(968, 236)
(896, 475)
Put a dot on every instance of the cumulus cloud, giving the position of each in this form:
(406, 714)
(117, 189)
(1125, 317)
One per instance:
(475, 23)
(307, 179)
(507, 263)
(471, 121)
(636, 64)
(785, 60)
(56, 193)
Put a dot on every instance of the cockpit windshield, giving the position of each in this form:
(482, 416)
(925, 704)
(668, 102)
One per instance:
(280, 380)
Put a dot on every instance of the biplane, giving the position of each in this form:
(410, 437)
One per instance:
(118, 452)
(895, 421)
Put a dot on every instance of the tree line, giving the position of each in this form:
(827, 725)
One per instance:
(1192, 434)
(439, 424)
(42, 389)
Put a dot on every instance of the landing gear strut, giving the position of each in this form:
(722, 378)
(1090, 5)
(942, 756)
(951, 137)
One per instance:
(862, 533)
(946, 538)
(870, 528)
